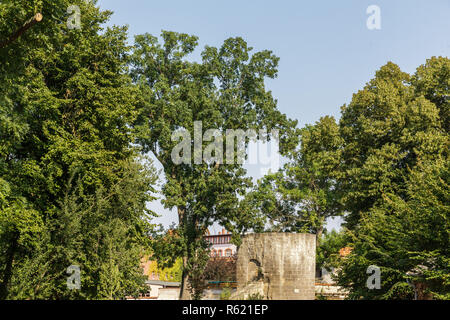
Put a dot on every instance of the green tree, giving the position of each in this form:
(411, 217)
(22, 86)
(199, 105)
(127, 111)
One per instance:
(395, 182)
(328, 256)
(407, 238)
(225, 91)
(71, 188)
(387, 128)
(302, 195)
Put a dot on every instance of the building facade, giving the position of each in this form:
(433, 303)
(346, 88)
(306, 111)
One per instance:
(221, 245)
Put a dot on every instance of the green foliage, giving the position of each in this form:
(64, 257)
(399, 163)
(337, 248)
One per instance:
(328, 252)
(400, 291)
(302, 195)
(225, 294)
(195, 269)
(404, 235)
(103, 233)
(386, 167)
(172, 273)
(432, 80)
(387, 128)
(255, 296)
(396, 183)
(72, 189)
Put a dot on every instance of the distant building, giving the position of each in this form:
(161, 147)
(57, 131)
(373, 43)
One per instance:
(221, 245)
(325, 285)
(163, 290)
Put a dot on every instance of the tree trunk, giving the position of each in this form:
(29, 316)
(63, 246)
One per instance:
(8, 268)
(319, 233)
(185, 293)
(27, 25)
(319, 236)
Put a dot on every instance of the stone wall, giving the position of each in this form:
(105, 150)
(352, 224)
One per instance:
(282, 265)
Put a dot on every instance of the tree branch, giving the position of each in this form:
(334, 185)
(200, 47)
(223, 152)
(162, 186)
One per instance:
(35, 19)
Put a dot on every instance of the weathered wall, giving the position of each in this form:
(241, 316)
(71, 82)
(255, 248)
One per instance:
(169, 294)
(283, 262)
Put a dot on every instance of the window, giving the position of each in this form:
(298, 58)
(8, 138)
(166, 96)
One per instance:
(228, 253)
(219, 253)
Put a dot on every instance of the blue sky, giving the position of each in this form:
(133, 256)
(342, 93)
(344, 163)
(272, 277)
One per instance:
(327, 52)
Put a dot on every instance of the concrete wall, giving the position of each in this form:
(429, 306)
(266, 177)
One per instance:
(169, 294)
(282, 264)
(154, 290)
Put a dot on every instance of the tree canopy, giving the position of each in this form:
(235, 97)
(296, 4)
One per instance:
(73, 191)
(81, 110)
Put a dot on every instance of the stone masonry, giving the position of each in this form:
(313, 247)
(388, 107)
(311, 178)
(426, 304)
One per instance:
(280, 265)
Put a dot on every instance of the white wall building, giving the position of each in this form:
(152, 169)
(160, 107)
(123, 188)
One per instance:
(221, 244)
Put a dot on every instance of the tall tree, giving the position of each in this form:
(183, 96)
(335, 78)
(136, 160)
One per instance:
(388, 126)
(66, 108)
(395, 182)
(225, 91)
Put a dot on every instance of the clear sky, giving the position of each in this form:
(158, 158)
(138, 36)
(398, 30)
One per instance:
(327, 52)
